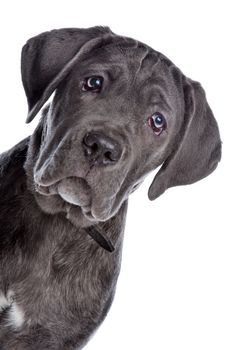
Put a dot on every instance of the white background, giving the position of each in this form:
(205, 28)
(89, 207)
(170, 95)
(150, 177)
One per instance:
(175, 290)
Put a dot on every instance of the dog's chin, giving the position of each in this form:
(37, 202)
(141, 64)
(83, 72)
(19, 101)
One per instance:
(72, 197)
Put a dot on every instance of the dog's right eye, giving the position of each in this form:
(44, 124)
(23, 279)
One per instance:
(93, 84)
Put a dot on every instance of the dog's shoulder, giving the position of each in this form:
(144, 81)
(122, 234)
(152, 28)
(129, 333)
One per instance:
(11, 164)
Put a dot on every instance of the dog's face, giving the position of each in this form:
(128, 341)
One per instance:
(120, 110)
(109, 125)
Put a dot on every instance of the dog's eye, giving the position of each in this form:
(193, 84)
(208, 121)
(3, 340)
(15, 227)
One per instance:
(92, 84)
(157, 122)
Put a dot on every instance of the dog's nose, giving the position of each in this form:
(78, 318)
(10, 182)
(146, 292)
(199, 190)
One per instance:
(101, 149)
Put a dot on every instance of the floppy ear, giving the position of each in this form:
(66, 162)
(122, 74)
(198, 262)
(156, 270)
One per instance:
(197, 149)
(47, 58)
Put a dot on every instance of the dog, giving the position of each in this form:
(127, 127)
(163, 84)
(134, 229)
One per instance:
(120, 109)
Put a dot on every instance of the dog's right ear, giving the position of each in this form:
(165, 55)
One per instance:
(197, 150)
(47, 59)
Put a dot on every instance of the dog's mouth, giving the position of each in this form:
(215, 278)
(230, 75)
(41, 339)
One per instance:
(74, 191)
(76, 195)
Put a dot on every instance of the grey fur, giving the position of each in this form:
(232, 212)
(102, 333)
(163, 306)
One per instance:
(51, 269)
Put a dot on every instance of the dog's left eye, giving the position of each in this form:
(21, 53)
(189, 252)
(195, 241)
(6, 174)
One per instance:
(157, 122)
(92, 84)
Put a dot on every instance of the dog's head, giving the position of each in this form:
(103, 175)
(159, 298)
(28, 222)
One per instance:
(120, 110)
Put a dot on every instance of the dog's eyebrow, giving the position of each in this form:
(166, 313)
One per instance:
(155, 91)
(157, 81)
(113, 71)
(158, 97)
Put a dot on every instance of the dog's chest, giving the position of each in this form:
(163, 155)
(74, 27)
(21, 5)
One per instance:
(68, 276)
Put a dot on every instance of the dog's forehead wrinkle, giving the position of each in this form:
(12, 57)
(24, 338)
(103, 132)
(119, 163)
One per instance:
(126, 52)
(142, 58)
(123, 44)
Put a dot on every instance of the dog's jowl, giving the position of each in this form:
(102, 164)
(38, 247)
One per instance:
(120, 110)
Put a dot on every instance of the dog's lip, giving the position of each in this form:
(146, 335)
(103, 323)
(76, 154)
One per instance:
(44, 190)
(74, 190)
(88, 214)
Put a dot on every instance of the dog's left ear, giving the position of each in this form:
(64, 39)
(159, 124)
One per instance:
(47, 59)
(197, 149)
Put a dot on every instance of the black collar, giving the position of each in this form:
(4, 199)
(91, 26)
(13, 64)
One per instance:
(103, 242)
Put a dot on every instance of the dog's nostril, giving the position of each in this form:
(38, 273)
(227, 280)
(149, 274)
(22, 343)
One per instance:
(92, 149)
(101, 149)
(109, 155)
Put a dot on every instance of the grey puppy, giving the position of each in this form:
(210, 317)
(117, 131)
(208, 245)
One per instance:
(120, 109)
